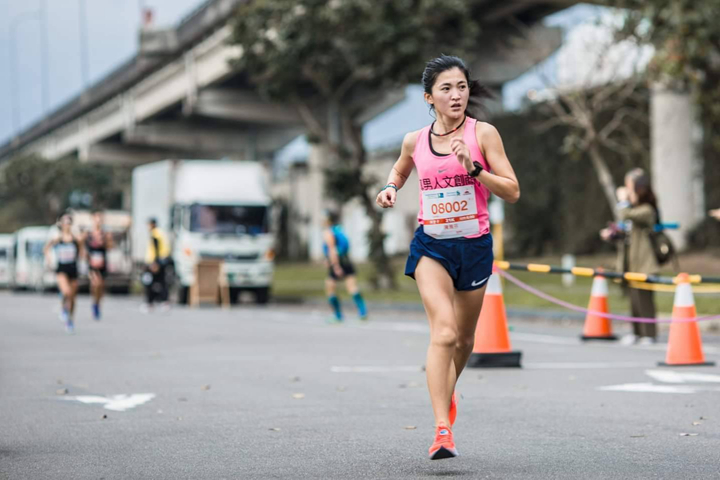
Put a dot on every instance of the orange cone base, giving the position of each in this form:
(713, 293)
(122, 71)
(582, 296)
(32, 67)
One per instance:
(585, 338)
(702, 364)
(495, 360)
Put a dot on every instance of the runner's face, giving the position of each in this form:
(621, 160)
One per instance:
(66, 224)
(450, 94)
(98, 219)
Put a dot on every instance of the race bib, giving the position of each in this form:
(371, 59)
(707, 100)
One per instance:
(97, 260)
(66, 252)
(450, 212)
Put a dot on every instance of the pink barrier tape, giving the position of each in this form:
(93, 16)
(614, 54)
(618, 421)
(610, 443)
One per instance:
(611, 316)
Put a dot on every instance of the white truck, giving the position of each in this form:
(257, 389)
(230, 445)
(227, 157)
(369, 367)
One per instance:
(6, 244)
(30, 269)
(209, 209)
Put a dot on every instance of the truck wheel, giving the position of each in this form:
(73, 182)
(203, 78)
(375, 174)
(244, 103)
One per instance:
(183, 293)
(262, 295)
(121, 290)
(234, 295)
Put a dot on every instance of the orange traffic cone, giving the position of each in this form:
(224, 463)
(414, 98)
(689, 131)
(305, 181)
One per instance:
(492, 341)
(684, 342)
(597, 327)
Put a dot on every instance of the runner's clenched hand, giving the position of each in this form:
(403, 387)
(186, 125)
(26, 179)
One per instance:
(386, 198)
(462, 152)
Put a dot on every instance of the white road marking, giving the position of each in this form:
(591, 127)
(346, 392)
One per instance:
(375, 369)
(582, 365)
(397, 327)
(670, 376)
(648, 388)
(541, 338)
(116, 403)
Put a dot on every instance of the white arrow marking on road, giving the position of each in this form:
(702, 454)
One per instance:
(648, 388)
(116, 403)
(669, 376)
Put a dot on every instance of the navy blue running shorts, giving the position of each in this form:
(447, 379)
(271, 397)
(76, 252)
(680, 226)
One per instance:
(468, 261)
(346, 266)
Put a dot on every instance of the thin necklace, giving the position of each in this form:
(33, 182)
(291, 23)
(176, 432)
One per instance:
(448, 133)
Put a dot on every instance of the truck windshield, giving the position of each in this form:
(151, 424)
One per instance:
(34, 249)
(228, 219)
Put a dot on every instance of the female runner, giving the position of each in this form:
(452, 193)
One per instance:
(459, 161)
(67, 250)
(97, 243)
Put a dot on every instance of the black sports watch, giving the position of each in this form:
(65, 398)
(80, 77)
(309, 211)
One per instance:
(478, 168)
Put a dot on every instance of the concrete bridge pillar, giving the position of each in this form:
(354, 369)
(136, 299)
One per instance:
(677, 165)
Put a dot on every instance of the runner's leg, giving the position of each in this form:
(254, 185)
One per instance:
(467, 312)
(64, 287)
(437, 292)
(331, 292)
(354, 290)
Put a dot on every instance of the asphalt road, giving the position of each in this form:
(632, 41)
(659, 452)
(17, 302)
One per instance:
(276, 393)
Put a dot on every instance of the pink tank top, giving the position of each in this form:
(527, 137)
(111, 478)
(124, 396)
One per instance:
(444, 171)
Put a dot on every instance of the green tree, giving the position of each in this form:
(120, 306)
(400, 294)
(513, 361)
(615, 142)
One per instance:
(686, 35)
(332, 58)
(35, 191)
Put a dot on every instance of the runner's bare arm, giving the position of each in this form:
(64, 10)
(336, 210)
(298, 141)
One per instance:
(109, 242)
(400, 171)
(82, 238)
(50, 244)
(333, 256)
(81, 249)
(502, 181)
(404, 164)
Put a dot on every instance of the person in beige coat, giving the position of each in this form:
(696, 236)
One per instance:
(638, 214)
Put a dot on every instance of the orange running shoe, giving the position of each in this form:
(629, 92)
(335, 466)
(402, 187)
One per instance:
(453, 409)
(443, 447)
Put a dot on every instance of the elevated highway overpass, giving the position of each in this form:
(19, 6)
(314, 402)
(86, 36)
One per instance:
(179, 96)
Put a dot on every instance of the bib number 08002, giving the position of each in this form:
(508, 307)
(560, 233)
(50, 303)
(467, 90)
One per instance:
(449, 207)
(450, 212)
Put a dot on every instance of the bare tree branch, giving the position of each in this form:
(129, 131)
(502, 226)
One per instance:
(312, 123)
(613, 124)
(359, 74)
(320, 82)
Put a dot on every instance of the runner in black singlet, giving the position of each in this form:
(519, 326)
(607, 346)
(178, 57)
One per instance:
(67, 250)
(97, 242)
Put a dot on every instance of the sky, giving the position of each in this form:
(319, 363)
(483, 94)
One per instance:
(112, 39)
(112, 33)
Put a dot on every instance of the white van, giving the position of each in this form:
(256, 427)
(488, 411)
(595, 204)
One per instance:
(6, 243)
(29, 268)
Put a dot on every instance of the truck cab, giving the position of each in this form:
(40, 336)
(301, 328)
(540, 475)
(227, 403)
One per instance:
(6, 250)
(209, 209)
(238, 234)
(30, 269)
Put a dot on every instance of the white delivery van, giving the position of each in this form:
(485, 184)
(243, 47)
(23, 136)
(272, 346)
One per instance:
(119, 260)
(29, 268)
(6, 243)
(209, 209)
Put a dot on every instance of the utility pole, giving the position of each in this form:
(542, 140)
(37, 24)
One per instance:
(84, 64)
(44, 56)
